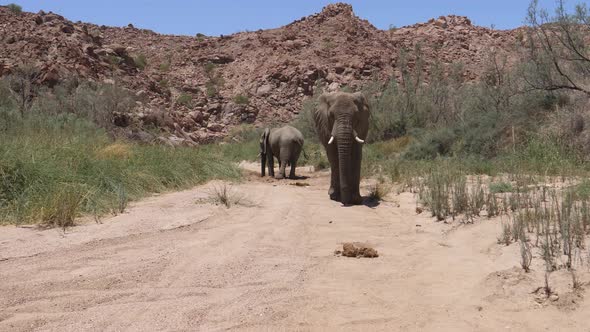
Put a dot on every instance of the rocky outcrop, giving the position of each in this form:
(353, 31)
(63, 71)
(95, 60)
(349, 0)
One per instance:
(207, 85)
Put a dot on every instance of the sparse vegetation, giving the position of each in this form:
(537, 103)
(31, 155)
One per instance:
(500, 187)
(226, 196)
(215, 80)
(328, 44)
(241, 99)
(14, 8)
(114, 60)
(22, 88)
(379, 191)
(184, 99)
(140, 61)
(526, 256)
(200, 37)
(165, 67)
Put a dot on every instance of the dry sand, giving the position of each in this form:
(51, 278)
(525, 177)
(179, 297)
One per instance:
(176, 263)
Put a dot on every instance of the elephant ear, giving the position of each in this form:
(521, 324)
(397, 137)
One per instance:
(264, 140)
(364, 111)
(321, 117)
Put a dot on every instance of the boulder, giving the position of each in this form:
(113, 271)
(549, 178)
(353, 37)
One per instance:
(197, 116)
(215, 127)
(264, 90)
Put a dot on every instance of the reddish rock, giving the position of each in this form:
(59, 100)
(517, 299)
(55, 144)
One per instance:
(276, 68)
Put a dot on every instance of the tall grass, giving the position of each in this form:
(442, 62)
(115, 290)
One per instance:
(52, 168)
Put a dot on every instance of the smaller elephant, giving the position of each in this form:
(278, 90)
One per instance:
(283, 143)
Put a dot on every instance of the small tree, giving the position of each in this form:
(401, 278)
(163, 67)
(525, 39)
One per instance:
(558, 56)
(22, 87)
(15, 8)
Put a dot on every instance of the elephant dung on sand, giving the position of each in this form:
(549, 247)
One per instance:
(283, 143)
(342, 124)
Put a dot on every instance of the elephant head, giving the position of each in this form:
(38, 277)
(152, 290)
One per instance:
(342, 123)
(264, 150)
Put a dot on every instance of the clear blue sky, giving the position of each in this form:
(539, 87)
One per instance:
(215, 17)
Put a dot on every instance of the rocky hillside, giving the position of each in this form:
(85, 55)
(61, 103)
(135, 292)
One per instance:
(208, 84)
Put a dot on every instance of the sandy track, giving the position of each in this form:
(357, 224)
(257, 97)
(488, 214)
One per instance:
(174, 263)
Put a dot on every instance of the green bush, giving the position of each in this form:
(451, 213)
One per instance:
(304, 121)
(15, 8)
(97, 102)
(432, 144)
(241, 100)
(200, 36)
(215, 81)
(165, 66)
(501, 187)
(209, 69)
(140, 61)
(184, 99)
(211, 89)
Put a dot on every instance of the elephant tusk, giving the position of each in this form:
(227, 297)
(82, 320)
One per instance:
(331, 140)
(359, 140)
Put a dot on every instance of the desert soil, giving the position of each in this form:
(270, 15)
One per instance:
(176, 262)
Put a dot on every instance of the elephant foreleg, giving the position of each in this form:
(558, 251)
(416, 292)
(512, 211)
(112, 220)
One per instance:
(357, 156)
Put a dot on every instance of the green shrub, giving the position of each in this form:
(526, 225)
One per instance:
(184, 99)
(15, 8)
(114, 60)
(165, 66)
(140, 61)
(501, 187)
(241, 100)
(211, 89)
(432, 144)
(97, 102)
(209, 69)
(304, 121)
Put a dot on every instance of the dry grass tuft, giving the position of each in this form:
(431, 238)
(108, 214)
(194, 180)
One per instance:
(225, 195)
(62, 207)
(115, 151)
(379, 191)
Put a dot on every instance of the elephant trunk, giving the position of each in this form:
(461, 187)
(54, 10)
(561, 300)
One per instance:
(344, 140)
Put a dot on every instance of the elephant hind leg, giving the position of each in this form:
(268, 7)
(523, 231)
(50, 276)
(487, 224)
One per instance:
(282, 166)
(293, 166)
(293, 161)
(271, 165)
(281, 174)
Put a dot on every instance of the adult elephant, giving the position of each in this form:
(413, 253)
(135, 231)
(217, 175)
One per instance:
(342, 124)
(283, 143)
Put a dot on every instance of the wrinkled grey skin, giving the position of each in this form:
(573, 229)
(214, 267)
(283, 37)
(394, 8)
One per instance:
(283, 143)
(345, 117)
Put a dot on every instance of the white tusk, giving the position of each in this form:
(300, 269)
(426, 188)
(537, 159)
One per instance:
(359, 140)
(331, 140)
